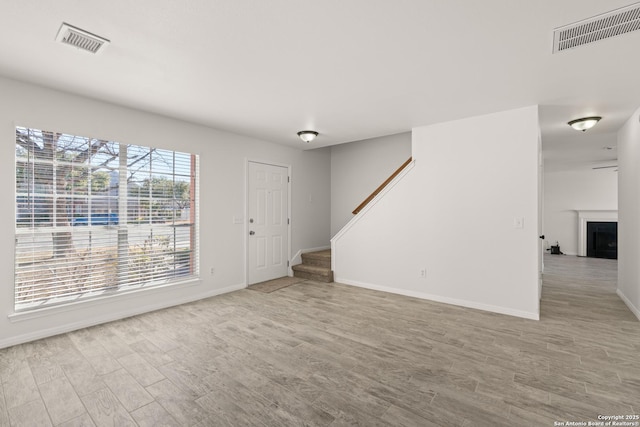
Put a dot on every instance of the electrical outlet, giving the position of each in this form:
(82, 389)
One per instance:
(212, 271)
(423, 273)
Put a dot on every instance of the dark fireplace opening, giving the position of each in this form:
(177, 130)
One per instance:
(602, 240)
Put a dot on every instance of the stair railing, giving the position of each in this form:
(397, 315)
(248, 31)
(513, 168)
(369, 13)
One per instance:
(381, 187)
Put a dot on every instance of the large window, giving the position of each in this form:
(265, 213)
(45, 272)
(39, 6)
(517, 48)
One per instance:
(96, 217)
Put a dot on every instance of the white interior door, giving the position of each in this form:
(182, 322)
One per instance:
(267, 222)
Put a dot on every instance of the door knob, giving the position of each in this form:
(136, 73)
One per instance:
(542, 237)
(251, 233)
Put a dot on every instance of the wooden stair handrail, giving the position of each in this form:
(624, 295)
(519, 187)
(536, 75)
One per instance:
(381, 187)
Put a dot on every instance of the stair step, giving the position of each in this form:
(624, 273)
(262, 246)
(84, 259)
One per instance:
(320, 258)
(315, 266)
(313, 272)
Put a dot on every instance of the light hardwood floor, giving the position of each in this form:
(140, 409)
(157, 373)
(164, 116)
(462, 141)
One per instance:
(329, 354)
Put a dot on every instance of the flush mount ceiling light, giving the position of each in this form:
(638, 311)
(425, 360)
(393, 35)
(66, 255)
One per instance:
(307, 135)
(584, 123)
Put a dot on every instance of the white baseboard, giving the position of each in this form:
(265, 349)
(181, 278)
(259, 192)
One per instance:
(629, 304)
(122, 314)
(446, 300)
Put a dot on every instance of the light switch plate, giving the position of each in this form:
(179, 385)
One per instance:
(518, 222)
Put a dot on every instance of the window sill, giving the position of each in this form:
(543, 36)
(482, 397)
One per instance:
(88, 301)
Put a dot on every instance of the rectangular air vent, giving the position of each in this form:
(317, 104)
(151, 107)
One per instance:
(81, 39)
(600, 27)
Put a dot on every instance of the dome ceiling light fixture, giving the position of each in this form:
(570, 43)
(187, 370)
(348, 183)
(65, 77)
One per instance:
(584, 123)
(307, 135)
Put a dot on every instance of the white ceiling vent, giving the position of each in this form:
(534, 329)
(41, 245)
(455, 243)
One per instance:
(600, 27)
(81, 39)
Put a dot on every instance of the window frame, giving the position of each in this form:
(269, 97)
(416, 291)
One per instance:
(169, 259)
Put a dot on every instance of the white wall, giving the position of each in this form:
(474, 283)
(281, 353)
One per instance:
(629, 213)
(453, 215)
(223, 158)
(568, 191)
(358, 168)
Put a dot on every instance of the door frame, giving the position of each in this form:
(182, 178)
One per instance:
(541, 212)
(246, 213)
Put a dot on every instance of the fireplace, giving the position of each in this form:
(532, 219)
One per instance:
(602, 239)
(607, 226)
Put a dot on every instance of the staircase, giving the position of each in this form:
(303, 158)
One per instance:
(315, 266)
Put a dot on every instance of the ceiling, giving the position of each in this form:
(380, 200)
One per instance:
(350, 70)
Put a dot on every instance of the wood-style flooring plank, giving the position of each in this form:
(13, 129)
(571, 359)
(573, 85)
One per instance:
(153, 415)
(61, 400)
(83, 420)
(29, 414)
(20, 388)
(4, 415)
(106, 410)
(129, 392)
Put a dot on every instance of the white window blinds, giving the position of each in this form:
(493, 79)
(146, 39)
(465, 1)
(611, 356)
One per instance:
(96, 217)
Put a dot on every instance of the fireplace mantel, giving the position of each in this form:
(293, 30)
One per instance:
(585, 216)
